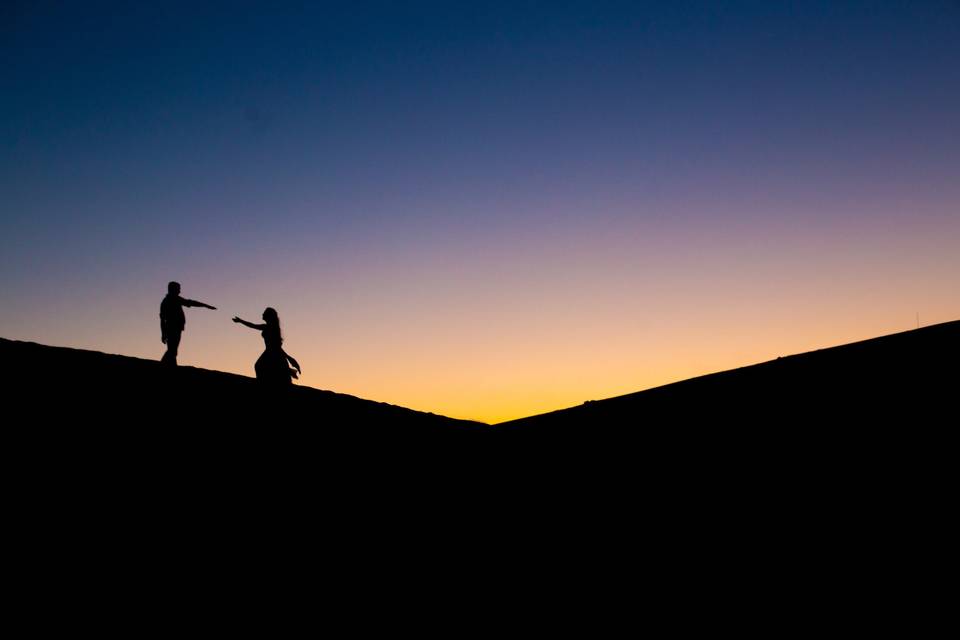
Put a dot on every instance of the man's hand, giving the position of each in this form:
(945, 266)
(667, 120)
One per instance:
(211, 307)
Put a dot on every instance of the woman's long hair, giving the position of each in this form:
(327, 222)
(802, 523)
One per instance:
(272, 319)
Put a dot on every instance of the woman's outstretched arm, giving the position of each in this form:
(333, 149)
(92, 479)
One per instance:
(259, 327)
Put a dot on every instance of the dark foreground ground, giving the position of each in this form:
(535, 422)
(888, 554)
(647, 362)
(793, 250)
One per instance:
(894, 393)
(785, 472)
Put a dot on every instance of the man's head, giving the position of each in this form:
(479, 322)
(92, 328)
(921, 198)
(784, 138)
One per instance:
(173, 288)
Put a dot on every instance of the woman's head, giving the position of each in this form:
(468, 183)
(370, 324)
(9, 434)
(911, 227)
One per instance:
(270, 316)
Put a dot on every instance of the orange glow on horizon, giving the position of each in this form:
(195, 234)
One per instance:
(494, 330)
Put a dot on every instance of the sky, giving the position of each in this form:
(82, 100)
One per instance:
(484, 210)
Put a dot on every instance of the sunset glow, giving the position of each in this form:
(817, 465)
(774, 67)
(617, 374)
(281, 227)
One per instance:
(483, 214)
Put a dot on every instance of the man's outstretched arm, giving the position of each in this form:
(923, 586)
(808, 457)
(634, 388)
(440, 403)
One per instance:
(194, 303)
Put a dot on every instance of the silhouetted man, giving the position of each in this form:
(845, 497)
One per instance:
(172, 321)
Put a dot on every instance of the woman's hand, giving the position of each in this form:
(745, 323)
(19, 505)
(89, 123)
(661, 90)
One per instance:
(236, 319)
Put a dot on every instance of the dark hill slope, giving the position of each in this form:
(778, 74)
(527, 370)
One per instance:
(826, 459)
(70, 386)
(83, 428)
(906, 381)
(839, 435)
(842, 406)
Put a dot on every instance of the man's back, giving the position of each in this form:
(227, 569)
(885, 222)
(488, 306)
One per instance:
(171, 313)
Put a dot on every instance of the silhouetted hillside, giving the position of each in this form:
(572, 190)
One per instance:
(82, 427)
(800, 457)
(906, 381)
(779, 466)
(73, 385)
(906, 377)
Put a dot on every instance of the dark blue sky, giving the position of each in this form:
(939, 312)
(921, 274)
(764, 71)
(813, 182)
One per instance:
(243, 100)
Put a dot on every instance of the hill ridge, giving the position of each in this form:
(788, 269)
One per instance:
(853, 367)
(30, 362)
(934, 345)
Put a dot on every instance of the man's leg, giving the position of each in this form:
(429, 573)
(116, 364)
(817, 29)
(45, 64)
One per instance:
(173, 343)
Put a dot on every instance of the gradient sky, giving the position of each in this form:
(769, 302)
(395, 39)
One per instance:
(485, 210)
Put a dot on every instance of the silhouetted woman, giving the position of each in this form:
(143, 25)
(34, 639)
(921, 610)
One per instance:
(272, 364)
